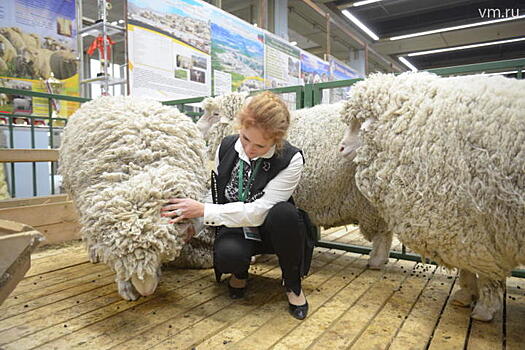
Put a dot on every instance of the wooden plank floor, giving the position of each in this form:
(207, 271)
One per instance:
(67, 303)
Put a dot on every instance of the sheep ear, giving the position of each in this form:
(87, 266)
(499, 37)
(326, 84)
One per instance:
(367, 123)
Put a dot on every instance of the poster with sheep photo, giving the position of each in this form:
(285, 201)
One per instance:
(37, 41)
(181, 67)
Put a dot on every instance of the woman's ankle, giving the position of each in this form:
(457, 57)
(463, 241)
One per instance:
(237, 282)
(295, 299)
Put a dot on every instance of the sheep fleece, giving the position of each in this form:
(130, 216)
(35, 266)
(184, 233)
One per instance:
(327, 189)
(445, 165)
(121, 159)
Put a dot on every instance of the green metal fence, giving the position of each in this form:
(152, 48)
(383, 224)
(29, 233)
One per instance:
(497, 66)
(50, 121)
(182, 103)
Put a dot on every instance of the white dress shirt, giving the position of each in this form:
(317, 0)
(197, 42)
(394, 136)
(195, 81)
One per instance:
(279, 189)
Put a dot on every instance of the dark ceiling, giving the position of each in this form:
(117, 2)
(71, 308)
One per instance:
(390, 18)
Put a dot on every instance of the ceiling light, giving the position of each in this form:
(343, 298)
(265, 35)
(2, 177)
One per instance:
(508, 72)
(360, 24)
(364, 2)
(408, 64)
(455, 48)
(464, 26)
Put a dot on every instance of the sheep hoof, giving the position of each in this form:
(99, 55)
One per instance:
(127, 291)
(482, 313)
(376, 264)
(93, 256)
(462, 297)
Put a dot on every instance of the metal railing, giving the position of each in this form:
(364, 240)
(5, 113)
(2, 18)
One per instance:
(51, 127)
(181, 103)
(496, 66)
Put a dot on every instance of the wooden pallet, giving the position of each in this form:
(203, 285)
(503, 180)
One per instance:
(53, 216)
(17, 241)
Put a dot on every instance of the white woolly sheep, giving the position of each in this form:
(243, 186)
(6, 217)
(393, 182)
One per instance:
(443, 160)
(121, 159)
(327, 189)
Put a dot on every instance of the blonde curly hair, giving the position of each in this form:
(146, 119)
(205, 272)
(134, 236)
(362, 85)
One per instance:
(268, 112)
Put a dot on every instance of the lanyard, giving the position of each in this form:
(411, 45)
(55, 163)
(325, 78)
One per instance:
(244, 193)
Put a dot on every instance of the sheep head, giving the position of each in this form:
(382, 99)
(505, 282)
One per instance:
(225, 108)
(210, 116)
(352, 137)
(378, 97)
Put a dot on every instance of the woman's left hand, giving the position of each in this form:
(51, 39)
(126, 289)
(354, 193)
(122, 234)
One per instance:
(182, 208)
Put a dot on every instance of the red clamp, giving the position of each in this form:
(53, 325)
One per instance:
(98, 44)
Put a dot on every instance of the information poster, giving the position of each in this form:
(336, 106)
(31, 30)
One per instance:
(282, 64)
(313, 69)
(169, 48)
(340, 71)
(38, 39)
(237, 50)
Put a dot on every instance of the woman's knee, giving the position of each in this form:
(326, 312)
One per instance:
(230, 251)
(282, 212)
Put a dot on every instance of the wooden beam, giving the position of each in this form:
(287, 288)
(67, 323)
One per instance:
(20, 202)
(328, 38)
(15, 256)
(28, 155)
(58, 233)
(262, 18)
(40, 215)
(7, 227)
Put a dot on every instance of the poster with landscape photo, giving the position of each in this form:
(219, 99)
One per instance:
(238, 51)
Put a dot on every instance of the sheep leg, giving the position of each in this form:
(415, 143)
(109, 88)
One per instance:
(93, 256)
(468, 291)
(490, 299)
(127, 291)
(381, 243)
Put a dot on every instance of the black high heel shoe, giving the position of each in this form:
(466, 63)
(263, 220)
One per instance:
(298, 311)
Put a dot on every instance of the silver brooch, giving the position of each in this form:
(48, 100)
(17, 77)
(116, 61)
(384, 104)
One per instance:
(266, 166)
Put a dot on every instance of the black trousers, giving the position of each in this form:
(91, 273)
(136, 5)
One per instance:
(282, 233)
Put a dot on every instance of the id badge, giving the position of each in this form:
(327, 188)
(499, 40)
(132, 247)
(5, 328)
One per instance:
(252, 233)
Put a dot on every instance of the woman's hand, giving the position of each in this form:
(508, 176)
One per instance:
(182, 208)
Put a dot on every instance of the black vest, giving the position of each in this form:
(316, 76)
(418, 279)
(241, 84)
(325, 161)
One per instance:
(269, 168)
